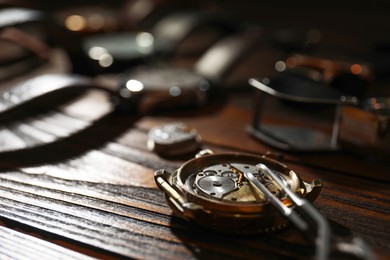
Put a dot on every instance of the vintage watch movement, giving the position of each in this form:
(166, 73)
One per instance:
(212, 190)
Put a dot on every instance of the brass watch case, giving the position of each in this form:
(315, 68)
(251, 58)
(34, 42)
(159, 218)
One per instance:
(232, 216)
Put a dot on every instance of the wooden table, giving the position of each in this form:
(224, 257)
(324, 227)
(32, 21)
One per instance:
(81, 184)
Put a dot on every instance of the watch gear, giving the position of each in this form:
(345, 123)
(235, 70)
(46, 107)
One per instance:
(212, 190)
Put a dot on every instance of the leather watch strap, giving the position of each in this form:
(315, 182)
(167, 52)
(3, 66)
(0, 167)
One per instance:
(53, 87)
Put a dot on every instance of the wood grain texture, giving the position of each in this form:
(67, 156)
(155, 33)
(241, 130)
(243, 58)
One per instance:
(15, 245)
(89, 181)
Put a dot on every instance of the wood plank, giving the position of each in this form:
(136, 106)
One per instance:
(95, 187)
(45, 197)
(120, 233)
(15, 245)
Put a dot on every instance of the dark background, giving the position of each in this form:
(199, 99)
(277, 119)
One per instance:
(349, 27)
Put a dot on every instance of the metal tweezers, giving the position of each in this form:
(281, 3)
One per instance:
(307, 219)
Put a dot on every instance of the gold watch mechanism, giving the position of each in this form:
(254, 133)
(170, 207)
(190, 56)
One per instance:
(212, 190)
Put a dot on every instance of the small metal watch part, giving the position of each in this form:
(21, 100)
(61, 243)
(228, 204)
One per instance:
(173, 139)
(212, 190)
